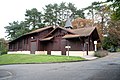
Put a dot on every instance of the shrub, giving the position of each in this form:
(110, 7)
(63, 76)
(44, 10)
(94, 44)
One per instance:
(106, 44)
(112, 49)
(101, 53)
(3, 52)
(118, 49)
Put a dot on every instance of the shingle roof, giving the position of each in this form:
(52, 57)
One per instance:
(70, 36)
(60, 28)
(46, 39)
(35, 31)
(83, 31)
(75, 32)
(39, 30)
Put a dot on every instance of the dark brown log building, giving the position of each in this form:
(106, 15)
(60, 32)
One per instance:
(53, 40)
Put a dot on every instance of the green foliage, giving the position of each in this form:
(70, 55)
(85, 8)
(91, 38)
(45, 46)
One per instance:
(114, 32)
(56, 14)
(3, 46)
(106, 44)
(113, 40)
(112, 49)
(3, 52)
(118, 49)
(16, 29)
(22, 58)
(110, 43)
(116, 8)
(34, 19)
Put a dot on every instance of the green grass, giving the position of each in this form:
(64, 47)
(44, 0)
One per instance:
(25, 58)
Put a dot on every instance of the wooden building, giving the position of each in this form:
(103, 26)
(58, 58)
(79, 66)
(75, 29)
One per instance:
(53, 40)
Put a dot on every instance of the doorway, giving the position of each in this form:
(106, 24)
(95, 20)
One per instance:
(33, 47)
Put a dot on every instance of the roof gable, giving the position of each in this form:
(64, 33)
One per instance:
(59, 28)
(32, 32)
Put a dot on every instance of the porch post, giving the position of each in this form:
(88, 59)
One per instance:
(87, 48)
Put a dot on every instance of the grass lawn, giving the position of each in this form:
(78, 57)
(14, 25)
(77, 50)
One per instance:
(31, 58)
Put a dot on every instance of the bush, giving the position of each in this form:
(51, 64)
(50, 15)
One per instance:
(112, 49)
(101, 53)
(106, 44)
(118, 49)
(3, 52)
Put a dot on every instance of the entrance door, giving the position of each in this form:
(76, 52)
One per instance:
(33, 47)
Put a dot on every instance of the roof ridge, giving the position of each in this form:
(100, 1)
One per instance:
(92, 30)
(60, 28)
(38, 30)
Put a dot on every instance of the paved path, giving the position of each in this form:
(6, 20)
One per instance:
(107, 68)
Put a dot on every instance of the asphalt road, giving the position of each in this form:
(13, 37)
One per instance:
(107, 68)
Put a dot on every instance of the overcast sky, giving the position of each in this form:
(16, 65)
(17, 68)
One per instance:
(14, 10)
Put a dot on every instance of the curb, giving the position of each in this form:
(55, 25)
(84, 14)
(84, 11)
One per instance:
(46, 62)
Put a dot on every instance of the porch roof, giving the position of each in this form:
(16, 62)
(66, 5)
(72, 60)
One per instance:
(70, 36)
(82, 32)
(46, 39)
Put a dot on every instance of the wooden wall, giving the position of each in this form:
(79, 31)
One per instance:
(55, 44)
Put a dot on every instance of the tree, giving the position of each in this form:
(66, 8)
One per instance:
(116, 8)
(100, 13)
(114, 32)
(57, 14)
(16, 29)
(50, 15)
(3, 46)
(80, 22)
(34, 19)
(113, 38)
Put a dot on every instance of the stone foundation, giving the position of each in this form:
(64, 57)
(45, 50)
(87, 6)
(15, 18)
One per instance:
(79, 53)
(41, 52)
(56, 52)
(18, 52)
(71, 53)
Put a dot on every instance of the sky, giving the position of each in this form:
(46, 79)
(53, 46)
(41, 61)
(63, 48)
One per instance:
(14, 10)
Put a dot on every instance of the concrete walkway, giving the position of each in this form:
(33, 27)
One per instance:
(89, 57)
